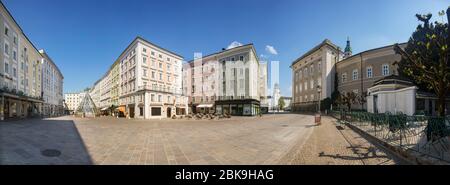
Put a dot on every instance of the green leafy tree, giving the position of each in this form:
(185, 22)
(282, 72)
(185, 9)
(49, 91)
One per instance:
(281, 103)
(426, 58)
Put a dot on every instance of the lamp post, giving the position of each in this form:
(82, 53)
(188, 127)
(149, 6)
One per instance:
(318, 115)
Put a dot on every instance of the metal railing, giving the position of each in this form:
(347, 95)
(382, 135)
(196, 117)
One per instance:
(426, 135)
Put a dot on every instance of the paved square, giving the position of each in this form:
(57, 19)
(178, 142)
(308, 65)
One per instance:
(106, 140)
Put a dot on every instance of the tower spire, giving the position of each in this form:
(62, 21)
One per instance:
(348, 49)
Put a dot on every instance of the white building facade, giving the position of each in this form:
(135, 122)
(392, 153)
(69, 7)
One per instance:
(52, 87)
(73, 100)
(150, 82)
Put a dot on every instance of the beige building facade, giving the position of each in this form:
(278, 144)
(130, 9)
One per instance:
(313, 71)
(358, 73)
(22, 67)
(144, 82)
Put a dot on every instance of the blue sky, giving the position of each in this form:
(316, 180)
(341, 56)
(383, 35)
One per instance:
(84, 37)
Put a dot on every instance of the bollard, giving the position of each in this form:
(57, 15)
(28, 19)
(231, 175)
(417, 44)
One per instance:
(318, 120)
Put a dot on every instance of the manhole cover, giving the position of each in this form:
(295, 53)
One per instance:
(51, 153)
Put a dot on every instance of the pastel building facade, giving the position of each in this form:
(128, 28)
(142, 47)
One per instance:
(144, 82)
(22, 68)
(226, 82)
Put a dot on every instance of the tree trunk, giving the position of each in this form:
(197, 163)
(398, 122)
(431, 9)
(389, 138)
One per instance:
(441, 104)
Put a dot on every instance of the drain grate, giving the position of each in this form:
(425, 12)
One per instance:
(340, 128)
(51, 153)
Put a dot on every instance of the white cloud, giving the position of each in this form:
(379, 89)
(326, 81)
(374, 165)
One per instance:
(270, 49)
(234, 44)
(263, 57)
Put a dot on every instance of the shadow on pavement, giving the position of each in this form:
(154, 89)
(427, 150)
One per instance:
(42, 142)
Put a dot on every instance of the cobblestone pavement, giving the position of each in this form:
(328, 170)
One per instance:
(333, 144)
(239, 140)
(272, 139)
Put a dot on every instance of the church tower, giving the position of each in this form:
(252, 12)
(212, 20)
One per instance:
(348, 49)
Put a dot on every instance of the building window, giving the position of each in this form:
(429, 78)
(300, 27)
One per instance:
(14, 72)
(168, 67)
(306, 86)
(369, 72)
(305, 72)
(6, 68)
(168, 59)
(168, 78)
(153, 53)
(319, 81)
(15, 55)
(6, 49)
(241, 58)
(241, 83)
(160, 56)
(300, 88)
(141, 111)
(312, 84)
(159, 98)
(319, 65)
(145, 72)
(144, 60)
(6, 31)
(160, 65)
(160, 76)
(311, 69)
(168, 99)
(385, 70)
(344, 77)
(144, 50)
(355, 74)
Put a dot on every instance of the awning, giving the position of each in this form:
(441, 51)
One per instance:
(205, 106)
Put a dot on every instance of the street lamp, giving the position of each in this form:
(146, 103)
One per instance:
(318, 115)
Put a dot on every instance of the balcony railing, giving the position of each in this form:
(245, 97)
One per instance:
(160, 89)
